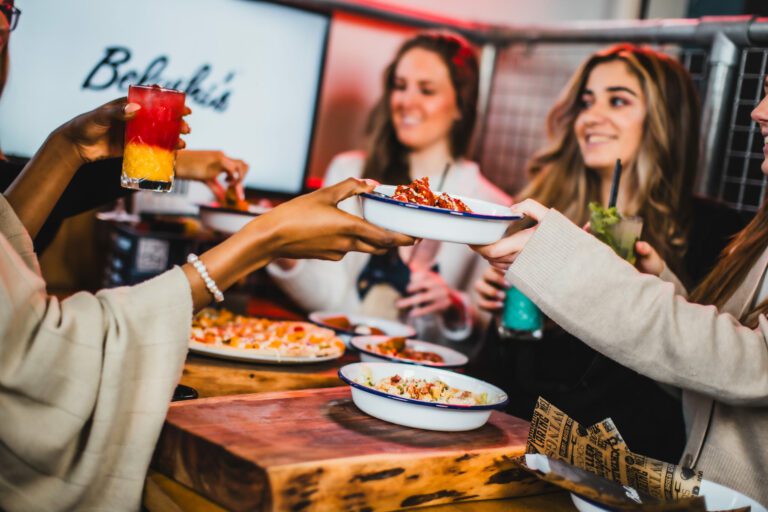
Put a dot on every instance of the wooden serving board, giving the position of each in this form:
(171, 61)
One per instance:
(313, 450)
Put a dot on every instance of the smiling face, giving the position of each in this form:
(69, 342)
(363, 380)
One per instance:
(612, 117)
(423, 100)
(760, 116)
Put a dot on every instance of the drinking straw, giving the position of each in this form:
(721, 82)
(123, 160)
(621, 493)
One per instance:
(615, 184)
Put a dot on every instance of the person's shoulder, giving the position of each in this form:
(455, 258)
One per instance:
(345, 165)
(479, 184)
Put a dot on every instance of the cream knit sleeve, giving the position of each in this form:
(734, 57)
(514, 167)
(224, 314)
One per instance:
(84, 384)
(637, 319)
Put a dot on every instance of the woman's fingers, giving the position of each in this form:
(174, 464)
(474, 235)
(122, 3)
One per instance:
(530, 208)
(506, 249)
(489, 292)
(219, 192)
(430, 307)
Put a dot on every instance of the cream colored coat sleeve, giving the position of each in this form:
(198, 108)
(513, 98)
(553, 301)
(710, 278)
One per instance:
(84, 382)
(637, 319)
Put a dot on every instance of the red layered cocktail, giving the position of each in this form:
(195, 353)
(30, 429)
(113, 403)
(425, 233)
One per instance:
(151, 138)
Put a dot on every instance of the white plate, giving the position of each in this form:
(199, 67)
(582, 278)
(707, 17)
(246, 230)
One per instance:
(485, 225)
(718, 497)
(390, 327)
(228, 220)
(247, 355)
(417, 413)
(451, 358)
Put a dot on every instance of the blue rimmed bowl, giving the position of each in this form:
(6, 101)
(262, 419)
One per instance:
(417, 413)
(485, 225)
(366, 346)
(388, 327)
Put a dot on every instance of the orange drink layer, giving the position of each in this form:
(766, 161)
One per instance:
(150, 138)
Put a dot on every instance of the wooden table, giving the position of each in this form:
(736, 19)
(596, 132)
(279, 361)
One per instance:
(240, 453)
(216, 378)
(162, 494)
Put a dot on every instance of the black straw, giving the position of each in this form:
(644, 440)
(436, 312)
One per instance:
(615, 184)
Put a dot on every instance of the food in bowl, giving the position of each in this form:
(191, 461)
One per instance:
(223, 328)
(343, 323)
(397, 347)
(426, 390)
(419, 192)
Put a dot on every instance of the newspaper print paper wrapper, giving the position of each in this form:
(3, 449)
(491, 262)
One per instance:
(601, 450)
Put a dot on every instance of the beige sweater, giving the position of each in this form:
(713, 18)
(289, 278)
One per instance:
(640, 322)
(84, 382)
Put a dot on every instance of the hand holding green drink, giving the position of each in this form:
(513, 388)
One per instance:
(619, 232)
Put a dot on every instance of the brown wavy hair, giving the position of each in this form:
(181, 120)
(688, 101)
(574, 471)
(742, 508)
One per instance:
(662, 175)
(387, 157)
(733, 266)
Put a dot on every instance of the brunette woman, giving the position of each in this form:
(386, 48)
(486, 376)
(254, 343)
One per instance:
(421, 127)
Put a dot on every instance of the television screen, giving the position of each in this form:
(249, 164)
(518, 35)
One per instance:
(251, 71)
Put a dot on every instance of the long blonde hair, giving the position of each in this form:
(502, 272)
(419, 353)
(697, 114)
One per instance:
(734, 265)
(662, 175)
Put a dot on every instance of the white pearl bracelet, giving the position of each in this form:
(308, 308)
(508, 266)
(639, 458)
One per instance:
(193, 260)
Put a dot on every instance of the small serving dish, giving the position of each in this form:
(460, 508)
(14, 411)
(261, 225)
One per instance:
(485, 225)
(350, 325)
(415, 413)
(228, 220)
(367, 346)
(718, 497)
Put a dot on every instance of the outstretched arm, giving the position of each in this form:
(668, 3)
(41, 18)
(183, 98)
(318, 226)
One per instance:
(636, 319)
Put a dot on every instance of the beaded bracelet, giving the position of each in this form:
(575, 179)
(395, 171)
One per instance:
(193, 260)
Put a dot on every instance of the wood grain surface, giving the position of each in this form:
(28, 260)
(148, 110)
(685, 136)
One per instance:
(218, 377)
(161, 494)
(313, 450)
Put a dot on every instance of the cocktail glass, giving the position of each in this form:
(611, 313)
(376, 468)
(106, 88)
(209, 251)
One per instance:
(151, 136)
(521, 319)
(617, 231)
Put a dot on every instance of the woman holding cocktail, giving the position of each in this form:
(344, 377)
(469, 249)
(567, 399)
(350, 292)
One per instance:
(717, 354)
(98, 183)
(639, 106)
(85, 382)
(421, 126)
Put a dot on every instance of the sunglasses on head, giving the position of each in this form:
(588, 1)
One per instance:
(11, 14)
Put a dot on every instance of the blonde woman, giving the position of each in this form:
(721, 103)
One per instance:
(640, 106)
(717, 354)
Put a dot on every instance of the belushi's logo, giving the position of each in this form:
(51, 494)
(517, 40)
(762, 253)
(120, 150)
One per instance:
(113, 71)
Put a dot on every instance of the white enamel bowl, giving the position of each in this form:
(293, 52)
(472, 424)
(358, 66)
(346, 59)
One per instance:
(390, 327)
(718, 497)
(485, 225)
(417, 413)
(228, 220)
(451, 358)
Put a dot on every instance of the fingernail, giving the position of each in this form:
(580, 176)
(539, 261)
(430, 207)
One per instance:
(131, 107)
(501, 295)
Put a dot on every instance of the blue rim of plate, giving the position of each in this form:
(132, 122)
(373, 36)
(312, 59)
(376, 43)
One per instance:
(353, 333)
(421, 402)
(378, 196)
(406, 361)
